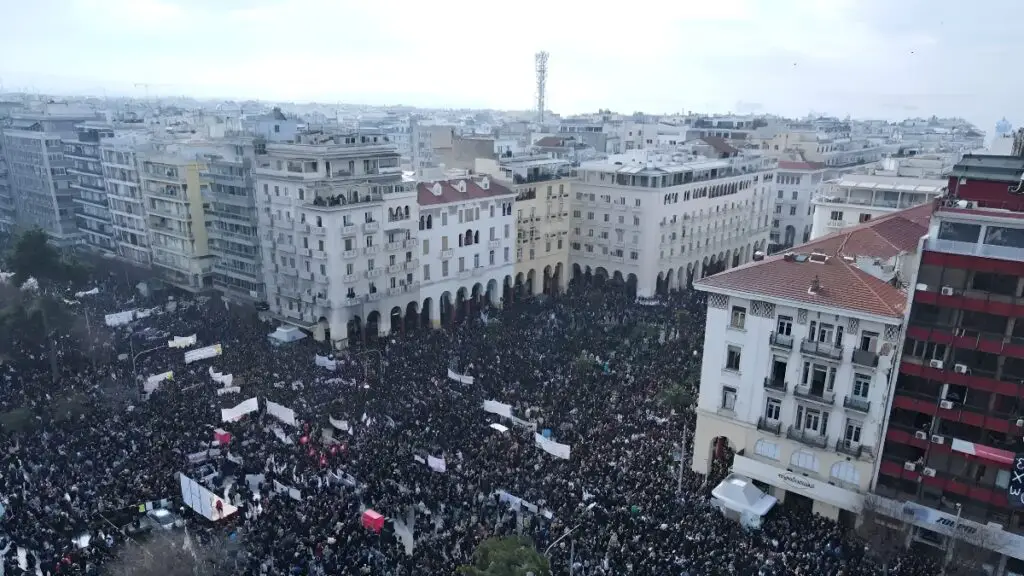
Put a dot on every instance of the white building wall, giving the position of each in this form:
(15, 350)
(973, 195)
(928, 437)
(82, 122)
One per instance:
(793, 213)
(735, 415)
(124, 194)
(441, 253)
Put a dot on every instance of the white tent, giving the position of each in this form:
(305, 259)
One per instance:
(285, 334)
(740, 500)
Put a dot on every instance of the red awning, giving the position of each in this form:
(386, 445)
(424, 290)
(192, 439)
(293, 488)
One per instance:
(984, 452)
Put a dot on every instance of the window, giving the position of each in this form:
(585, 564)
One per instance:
(732, 359)
(863, 218)
(739, 317)
(780, 194)
(852, 434)
(507, 254)
(1001, 236)
(349, 268)
(348, 244)
(426, 246)
(836, 216)
(811, 420)
(444, 268)
(728, 398)
(426, 272)
(369, 241)
(826, 332)
(792, 210)
(444, 242)
(785, 326)
(323, 270)
(861, 386)
(462, 263)
(772, 409)
(796, 196)
(959, 231)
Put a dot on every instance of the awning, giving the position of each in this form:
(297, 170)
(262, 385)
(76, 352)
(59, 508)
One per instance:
(989, 453)
(740, 494)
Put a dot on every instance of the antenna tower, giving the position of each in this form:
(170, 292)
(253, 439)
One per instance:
(541, 61)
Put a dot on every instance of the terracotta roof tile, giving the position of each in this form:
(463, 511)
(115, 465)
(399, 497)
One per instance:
(842, 284)
(425, 195)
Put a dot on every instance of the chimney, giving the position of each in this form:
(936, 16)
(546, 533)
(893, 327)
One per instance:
(815, 285)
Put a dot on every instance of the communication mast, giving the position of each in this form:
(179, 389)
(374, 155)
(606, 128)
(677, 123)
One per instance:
(541, 61)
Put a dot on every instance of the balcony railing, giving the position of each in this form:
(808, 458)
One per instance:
(781, 340)
(821, 350)
(810, 438)
(849, 448)
(858, 404)
(821, 396)
(865, 358)
(776, 384)
(775, 427)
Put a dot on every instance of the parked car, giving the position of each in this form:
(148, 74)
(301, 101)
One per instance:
(162, 519)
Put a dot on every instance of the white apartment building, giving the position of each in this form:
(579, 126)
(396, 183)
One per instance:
(92, 213)
(124, 197)
(798, 360)
(338, 234)
(8, 214)
(933, 166)
(657, 221)
(467, 234)
(854, 198)
(543, 188)
(796, 184)
(175, 219)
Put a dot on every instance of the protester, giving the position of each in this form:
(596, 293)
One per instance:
(588, 366)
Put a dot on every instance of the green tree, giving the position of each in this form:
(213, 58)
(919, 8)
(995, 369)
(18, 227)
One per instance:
(34, 257)
(512, 556)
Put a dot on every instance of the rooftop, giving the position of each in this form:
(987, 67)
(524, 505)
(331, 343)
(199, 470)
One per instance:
(825, 273)
(893, 183)
(800, 165)
(720, 145)
(458, 190)
(989, 167)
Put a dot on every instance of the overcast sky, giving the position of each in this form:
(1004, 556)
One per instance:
(891, 59)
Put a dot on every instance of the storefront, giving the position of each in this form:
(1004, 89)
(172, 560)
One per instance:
(828, 499)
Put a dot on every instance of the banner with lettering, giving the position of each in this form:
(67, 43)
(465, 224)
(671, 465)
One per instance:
(203, 353)
(1015, 491)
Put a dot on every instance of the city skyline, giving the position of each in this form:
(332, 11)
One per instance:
(864, 59)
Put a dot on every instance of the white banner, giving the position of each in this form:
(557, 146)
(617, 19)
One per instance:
(524, 423)
(203, 353)
(153, 382)
(203, 501)
(293, 492)
(223, 379)
(437, 464)
(495, 407)
(325, 362)
(228, 390)
(92, 292)
(198, 457)
(280, 435)
(551, 447)
(340, 424)
(182, 342)
(232, 414)
(282, 413)
(452, 375)
(119, 318)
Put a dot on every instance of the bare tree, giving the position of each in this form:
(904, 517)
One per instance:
(882, 531)
(173, 554)
(970, 548)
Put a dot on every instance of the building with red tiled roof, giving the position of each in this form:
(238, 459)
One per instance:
(798, 353)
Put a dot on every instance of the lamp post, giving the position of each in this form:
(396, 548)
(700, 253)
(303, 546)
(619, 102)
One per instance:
(572, 550)
(131, 345)
(955, 535)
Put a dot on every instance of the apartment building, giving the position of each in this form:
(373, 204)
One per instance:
(854, 198)
(798, 357)
(229, 203)
(953, 437)
(657, 221)
(175, 220)
(85, 165)
(37, 169)
(543, 188)
(8, 214)
(338, 234)
(467, 233)
(797, 182)
(124, 197)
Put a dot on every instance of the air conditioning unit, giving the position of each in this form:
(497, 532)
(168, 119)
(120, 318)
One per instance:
(921, 435)
(946, 405)
(1020, 422)
(908, 465)
(935, 364)
(938, 439)
(961, 368)
(947, 290)
(930, 472)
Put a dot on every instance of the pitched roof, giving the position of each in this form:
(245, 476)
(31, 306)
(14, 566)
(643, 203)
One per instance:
(841, 283)
(449, 193)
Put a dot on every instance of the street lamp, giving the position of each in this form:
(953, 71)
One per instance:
(572, 551)
(131, 344)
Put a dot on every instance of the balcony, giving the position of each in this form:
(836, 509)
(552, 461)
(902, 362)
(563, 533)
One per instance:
(821, 350)
(349, 254)
(446, 254)
(394, 268)
(353, 301)
(414, 285)
(374, 272)
(319, 254)
(807, 437)
(814, 394)
(779, 385)
(371, 250)
(781, 341)
(849, 448)
(412, 264)
(306, 275)
(319, 230)
(775, 427)
(371, 227)
(348, 229)
(393, 246)
(865, 358)
(494, 244)
(374, 296)
(349, 278)
(858, 404)
(397, 290)
(411, 242)
(465, 273)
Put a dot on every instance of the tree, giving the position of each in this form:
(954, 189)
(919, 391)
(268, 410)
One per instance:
(34, 257)
(882, 532)
(512, 556)
(174, 554)
(969, 550)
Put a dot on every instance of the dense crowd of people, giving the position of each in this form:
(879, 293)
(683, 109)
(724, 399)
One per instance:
(588, 368)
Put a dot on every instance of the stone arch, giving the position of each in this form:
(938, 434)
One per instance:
(721, 456)
(372, 325)
(804, 459)
(617, 278)
(412, 316)
(659, 283)
(727, 261)
(520, 285)
(704, 268)
(547, 280)
(556, 279)
(670, 280)
(577, 272)
(789, 236)
(531, 281)
(493, 298)
(324, 327)
(461, 302)
(396, 318)
(507, 290)
(430, 221)
(355, 329)
(845, 472)
(426, 311)
(600, 275)
(588, 274)
(447, 308)
(689, 275)
(478, 291)
(631, 285)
